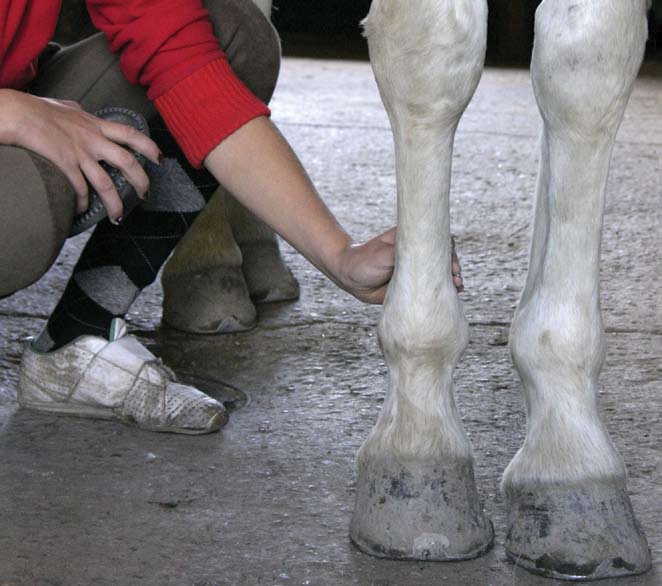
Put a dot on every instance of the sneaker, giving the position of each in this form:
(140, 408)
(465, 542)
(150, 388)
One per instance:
(116, 379)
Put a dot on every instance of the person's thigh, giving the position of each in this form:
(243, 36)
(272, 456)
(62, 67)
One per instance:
(250, 41)
(37, 206)
(36, 201)
(88, 73)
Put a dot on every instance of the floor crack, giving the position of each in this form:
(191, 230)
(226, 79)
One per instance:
(23, 315)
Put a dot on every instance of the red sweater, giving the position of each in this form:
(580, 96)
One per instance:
(166, 45)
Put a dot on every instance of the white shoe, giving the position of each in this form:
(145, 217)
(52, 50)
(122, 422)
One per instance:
(118, 379)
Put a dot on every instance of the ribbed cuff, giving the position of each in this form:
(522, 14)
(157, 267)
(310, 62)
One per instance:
(206, 107)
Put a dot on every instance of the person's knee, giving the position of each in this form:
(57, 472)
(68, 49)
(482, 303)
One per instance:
(37, 205)
(250, 41)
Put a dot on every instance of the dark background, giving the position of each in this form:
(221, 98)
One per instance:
(330, 28)
(334, 21)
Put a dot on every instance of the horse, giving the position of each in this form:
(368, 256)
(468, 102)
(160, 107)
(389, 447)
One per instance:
(569, 514)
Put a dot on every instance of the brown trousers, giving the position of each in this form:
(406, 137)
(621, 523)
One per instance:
(37, 204)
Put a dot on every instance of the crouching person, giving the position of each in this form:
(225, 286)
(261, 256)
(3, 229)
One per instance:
(200, 73)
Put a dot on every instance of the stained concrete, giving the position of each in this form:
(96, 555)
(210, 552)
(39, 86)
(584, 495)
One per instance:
(268, 500)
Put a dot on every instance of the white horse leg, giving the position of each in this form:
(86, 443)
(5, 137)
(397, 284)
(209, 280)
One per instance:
(570, 516)
(416, 496)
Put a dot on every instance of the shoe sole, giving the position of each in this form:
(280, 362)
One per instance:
(86, 412)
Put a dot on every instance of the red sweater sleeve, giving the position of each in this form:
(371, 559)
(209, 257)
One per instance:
(169, 46)
(25, 29)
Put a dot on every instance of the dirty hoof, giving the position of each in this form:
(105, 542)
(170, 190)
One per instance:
(268, 278)
(214, 301)
(420, 513)
(575, 533)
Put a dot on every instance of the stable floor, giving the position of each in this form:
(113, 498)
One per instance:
(268, 500)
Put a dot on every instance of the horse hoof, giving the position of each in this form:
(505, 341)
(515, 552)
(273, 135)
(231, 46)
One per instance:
(214, 301)
(268, 278)
(575, 533)
(420, 512)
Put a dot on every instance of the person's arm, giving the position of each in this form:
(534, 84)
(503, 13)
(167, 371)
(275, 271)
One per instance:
(169, 46)
(257, 165)
(259, 168)
(75, 142)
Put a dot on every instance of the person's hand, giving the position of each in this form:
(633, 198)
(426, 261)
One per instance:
(257, 165)
(75, 142)
(456, 269)
(365, 269)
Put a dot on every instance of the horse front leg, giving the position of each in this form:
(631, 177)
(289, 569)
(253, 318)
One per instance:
(416, 496)
(570, 516)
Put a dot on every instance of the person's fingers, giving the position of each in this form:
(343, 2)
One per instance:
(453, 248)
(379, 297)
(123, 134)
(386, 256)
(80, 186)
(389, 236)
(67, 162)
(376, 267)
(104, 186)
(123, 160)
(72, 104)
(456, 268)
(376, 296)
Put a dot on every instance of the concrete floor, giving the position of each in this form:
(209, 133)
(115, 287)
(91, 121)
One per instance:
(268, 500)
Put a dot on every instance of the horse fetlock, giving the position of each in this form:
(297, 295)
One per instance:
(557, 343)
(426, 332)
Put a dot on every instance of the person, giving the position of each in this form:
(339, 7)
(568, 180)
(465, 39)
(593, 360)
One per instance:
(201, 73)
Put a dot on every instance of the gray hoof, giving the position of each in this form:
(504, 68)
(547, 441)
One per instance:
(268, 278)
(214, 301)
(420, 513)
(575, 533)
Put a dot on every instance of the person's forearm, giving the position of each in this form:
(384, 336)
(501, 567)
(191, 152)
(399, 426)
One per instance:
(8, 121)
(260, 169)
